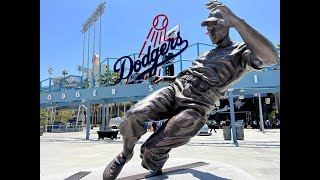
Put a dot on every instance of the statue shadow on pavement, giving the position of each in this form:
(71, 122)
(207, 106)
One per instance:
(196, 173)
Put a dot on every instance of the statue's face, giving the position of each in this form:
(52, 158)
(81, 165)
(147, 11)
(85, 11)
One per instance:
(217, 32)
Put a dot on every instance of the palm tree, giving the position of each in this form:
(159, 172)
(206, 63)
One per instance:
(108, 77)
(64, 72)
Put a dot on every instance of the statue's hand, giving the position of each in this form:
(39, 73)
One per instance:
(156, 79)
(212, 4)
(230, 19)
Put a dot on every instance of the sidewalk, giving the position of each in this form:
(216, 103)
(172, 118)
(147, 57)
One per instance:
(257, 157)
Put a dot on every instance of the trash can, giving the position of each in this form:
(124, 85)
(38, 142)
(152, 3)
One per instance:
(226, 132)
(239, 132)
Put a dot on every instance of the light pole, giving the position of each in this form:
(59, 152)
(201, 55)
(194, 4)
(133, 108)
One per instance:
(84, 41)
(50, 71)
(86, 26)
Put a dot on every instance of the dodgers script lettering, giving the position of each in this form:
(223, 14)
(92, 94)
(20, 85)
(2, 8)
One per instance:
(151, 58)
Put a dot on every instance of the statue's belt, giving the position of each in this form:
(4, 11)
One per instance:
(207, 90)
(196, 82)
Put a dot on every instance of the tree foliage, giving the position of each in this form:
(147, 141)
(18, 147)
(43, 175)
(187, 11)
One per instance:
(43, 113)
(272, 115)
(64, 115)
(108, 78)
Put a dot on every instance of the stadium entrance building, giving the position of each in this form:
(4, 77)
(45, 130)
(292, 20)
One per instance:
(95, 95)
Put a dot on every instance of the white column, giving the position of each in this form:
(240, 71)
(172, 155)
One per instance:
(54, 115)
(47, 120)
(261, 117)
(118, 113)
(107, 114)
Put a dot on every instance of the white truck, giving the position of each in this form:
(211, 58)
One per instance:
(114, 123)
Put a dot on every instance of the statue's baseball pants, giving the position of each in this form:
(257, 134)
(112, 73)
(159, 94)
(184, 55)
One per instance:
(186, 104)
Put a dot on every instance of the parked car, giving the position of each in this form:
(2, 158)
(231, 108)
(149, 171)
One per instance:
(204, 131)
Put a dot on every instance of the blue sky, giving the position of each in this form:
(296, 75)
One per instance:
(126, 23)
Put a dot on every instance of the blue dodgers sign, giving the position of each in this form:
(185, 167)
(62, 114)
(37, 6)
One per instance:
(151, 58)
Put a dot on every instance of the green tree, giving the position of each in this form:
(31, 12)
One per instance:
(122, 114)
(43, 113)
(43, 116)
(64, 115)
(108, 78)
(272, 115)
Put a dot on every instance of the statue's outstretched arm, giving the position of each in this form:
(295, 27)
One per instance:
(259, 45)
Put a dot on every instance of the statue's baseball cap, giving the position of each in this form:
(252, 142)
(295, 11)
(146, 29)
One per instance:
(214, 16)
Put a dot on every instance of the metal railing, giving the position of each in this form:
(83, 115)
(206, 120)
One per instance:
(64, 128)
(61, 84)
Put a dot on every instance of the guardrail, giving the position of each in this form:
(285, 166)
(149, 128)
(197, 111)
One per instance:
(64, 128)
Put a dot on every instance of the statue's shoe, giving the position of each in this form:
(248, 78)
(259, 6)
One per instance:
(114, 168)
(152, 172)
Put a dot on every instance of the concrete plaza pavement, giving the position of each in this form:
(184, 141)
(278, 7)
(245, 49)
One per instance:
(257, 157)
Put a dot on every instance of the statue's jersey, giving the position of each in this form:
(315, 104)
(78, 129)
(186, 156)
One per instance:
(223, 67)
